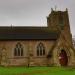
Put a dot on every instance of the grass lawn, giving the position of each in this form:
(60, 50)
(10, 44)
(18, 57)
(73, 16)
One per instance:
(37, 71)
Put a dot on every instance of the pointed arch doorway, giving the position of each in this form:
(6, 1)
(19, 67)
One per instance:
(63, 59)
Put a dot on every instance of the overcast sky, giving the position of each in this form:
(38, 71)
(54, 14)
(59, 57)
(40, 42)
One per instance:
(33, 12)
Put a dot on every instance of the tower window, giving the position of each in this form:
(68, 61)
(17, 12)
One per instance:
(61, 20)
(40, 49)
(18, 50)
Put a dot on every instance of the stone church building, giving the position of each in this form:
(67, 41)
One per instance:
(38, 46)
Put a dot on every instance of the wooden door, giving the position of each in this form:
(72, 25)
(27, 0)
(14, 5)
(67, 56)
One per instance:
(63, 59)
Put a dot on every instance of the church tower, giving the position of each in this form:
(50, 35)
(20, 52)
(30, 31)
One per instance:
(59, 21)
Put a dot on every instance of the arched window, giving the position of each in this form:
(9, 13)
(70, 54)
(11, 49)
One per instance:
(18, 50)
(40, 49)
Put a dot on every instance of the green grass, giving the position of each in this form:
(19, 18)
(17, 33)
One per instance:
(37, 71)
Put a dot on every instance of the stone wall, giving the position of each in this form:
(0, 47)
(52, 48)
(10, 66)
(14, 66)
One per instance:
(29, 50)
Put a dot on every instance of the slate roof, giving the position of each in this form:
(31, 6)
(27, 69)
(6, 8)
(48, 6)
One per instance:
(27, 33)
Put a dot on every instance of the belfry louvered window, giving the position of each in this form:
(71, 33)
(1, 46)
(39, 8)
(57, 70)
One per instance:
(40, 49)
(18, 50)
(61, 22)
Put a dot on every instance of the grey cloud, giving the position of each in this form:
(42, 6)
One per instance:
(33, 12)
